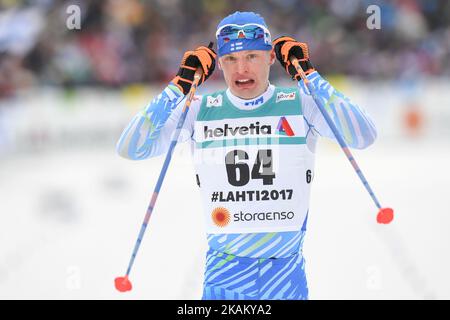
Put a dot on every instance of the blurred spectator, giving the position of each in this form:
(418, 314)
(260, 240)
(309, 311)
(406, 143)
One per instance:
(128, 41)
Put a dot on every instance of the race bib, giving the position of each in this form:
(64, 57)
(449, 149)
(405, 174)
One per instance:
(254, 173)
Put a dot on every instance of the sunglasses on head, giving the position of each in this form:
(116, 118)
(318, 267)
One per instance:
(247, 31)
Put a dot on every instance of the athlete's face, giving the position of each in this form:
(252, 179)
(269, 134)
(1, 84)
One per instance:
(247, 72)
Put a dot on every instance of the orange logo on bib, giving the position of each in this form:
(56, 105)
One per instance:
(220, 217)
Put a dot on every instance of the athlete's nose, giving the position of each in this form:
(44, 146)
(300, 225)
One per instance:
(242, 66)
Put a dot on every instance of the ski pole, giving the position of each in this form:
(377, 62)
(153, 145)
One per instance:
(385, 215)
(123, 284)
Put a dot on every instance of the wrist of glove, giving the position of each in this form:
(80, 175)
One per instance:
(285, 47)
(202, 57)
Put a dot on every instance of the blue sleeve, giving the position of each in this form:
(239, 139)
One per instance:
(144, 137)
(354, 125)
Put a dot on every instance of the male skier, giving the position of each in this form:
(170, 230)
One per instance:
(254, 146)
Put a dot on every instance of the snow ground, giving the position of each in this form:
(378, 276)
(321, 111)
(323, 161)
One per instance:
(69, 220)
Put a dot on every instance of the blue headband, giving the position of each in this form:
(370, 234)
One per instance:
(226, 46)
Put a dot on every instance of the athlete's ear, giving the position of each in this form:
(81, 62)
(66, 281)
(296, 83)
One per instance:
(218, 64)
(272, 57)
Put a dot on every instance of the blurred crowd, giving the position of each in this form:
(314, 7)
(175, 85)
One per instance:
(130, 41)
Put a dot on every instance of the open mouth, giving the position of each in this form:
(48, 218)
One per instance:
(244, 82)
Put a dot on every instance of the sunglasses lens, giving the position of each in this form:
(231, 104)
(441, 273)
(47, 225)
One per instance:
(238, 32)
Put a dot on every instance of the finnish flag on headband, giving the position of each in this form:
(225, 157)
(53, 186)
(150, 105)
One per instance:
(236, 46)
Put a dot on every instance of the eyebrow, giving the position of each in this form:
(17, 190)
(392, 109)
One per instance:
(252, 52)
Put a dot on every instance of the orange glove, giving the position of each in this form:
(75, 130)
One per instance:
(286, 47)
(203, 57)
